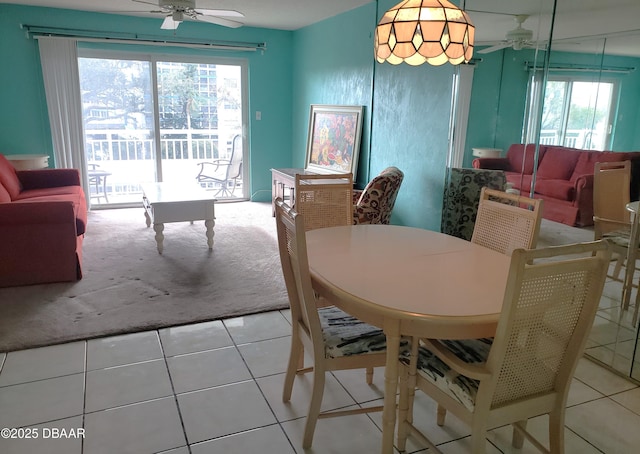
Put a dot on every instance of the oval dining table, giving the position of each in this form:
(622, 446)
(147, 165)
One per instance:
(409, 282)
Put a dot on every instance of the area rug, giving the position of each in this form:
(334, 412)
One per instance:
(128, 287)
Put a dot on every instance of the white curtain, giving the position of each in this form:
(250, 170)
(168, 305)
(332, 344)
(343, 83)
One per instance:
(463, 81)
(59, 58)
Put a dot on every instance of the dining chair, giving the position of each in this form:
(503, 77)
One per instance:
(374, 204)
(551, 298)
(611, 219)
(334, 339)
(507, 221)
(324, 200)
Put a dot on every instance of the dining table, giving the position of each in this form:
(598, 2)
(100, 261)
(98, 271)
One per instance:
(409, 282)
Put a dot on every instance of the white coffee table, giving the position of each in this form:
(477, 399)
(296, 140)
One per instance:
(173, 202)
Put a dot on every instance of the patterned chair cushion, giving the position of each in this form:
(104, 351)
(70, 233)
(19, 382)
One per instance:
(376, 201)
(345, 335)
(459, 387)
(461, 197)
(618, 237)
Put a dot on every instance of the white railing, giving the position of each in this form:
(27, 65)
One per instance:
(128, 156)
(128, 145)
(587, 139)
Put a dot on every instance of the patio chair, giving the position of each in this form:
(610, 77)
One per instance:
(334, 339)
(223, 172)
(550, 302)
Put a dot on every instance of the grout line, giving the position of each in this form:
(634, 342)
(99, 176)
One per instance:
(173, 390)
(253, 378)
(84, 400)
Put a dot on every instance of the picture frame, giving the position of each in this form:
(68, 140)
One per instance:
(333, 143)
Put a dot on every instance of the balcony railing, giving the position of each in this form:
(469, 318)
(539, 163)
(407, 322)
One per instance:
(128, 156)
(586, 139)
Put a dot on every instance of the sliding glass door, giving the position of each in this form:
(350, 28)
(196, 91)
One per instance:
(159, 120)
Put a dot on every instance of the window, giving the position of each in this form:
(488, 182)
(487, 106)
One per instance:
(577, 113)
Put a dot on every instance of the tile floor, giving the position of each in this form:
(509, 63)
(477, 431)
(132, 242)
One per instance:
(216, 388)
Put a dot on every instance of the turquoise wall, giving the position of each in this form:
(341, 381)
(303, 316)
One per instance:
(24, 124)
(333, 64)
(408, 108)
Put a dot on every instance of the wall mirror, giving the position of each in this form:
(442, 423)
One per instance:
(594, 73)
(575, 83)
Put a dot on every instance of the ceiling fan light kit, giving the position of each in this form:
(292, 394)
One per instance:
(177, 11)
(518, 38)
(427, 31)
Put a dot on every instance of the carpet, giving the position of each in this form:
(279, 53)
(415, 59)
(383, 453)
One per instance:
(128, 287)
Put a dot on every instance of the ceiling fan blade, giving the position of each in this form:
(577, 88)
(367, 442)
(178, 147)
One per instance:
(219, 12)
(169, 23)
(495, 48)
(218, 21)
(147, 3)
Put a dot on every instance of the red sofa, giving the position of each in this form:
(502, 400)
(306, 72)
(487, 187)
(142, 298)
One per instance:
(43, 217)
(564, 177)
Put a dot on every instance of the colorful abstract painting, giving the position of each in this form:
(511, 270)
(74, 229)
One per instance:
(334, 139)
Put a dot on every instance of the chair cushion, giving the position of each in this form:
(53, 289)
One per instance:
(558, 163)
(345, 335)
(558, 189)
(431, 368)
(521, 157)
(620, 238)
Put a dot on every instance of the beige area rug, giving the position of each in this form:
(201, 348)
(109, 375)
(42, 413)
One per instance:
(128, 286)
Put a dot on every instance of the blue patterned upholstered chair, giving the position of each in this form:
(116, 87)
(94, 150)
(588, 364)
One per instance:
(334, 339)
(374, 204)
(461, 197)
(550, 302)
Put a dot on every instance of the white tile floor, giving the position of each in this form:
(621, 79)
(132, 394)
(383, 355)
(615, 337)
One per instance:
(216, 388)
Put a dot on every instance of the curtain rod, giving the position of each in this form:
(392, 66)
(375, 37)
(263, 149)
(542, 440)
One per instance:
(582, 68)
(36, 32)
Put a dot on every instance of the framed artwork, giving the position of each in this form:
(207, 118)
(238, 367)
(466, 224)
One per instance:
(333, 144)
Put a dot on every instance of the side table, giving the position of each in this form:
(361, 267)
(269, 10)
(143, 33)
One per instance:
(282, 179)
(28, 161)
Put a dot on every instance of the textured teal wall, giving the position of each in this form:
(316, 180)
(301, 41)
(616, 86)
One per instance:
(334, 64)
(24, 124)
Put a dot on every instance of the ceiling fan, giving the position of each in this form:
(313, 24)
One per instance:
(177, 11)
(518, 38)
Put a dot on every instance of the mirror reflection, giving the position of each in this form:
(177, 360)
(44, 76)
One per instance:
(558, 75)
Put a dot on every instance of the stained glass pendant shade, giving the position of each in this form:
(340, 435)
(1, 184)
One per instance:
(431, 31)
